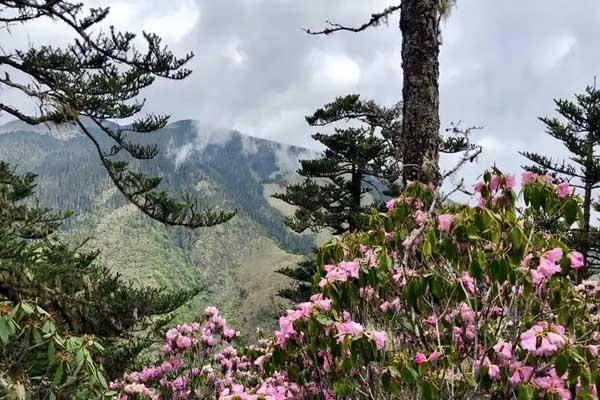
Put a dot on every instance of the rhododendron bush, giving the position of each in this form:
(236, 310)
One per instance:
(436, 300)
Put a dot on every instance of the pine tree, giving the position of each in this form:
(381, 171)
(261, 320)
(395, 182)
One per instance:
(357, 160)
(579, 131)
(82, 296)
(98, 78)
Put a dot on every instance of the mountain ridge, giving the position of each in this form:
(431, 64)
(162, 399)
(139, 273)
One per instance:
(235, 262)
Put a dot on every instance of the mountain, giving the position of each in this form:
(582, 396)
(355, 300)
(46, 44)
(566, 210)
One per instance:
(234, 262)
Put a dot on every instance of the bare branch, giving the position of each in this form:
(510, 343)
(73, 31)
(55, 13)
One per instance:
(376, 20)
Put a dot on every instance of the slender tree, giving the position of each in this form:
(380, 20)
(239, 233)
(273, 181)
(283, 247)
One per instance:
(82, 296)
(99, 77)
(357, 160)
(579, 132)
(420, 131)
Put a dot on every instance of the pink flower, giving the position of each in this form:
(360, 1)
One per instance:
(554, 255)
(552, 337)
(548, 268)
(577, 261)
(553, 384)
(391, 204)
(468, 282)
(503, 350)
(380, 337)
(420, 359)
(478, 186)
(434, 356)
(529, 338)
(494, 372)
(419, 217)
(349, 328)
(563, 190)
(528, 177)
(510, 181)
(183, 342)
(520, 373)
(350, 267)
(494, 183)
(259, 362)
(445, 222)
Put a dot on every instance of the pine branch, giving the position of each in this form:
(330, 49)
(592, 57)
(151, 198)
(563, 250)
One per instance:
(376, 20)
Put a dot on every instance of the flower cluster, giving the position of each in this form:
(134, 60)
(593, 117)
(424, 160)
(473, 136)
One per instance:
(433, 301)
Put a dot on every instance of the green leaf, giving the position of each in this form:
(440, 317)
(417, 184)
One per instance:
(570, 211)
(324, 320)
(516, 237)
(561, 364)
(427, 391)
(410, 375)
(525, 392)
(58, 375)
(343, 388)
(4, 330)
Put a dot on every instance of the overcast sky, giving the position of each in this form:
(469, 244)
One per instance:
(502, 63)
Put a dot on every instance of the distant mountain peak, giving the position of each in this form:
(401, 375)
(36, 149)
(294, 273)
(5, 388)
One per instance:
(58, 131)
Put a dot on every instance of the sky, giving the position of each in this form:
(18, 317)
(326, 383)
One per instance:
(255, 70)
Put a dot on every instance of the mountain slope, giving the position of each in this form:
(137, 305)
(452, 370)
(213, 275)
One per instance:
(235, 262)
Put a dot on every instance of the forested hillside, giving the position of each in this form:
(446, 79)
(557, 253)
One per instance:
(235, 262)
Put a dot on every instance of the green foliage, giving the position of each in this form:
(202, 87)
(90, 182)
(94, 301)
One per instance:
(579, 132)
(82, 296)
(96, 79)
(302, 276)
(38, 361)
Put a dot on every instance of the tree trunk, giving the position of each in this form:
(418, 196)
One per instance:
(419, 23)
(356, 193)
(587, 199)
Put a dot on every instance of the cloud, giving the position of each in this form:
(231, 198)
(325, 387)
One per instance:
(255, 70)
(333, 71)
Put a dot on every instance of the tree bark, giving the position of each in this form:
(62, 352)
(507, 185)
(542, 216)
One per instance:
(419, 23)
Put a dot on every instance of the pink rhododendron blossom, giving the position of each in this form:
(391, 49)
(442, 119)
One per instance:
(479, 186)
(554, 255)
(468, 282)
(390, 204)
(445, 222)
(563, 190)
(419, 217)
(380, 338)
(494, 183)
(553, 384)
(434, 356)
(528, 177)
(503, 350)
(543, 339)
(577, 261)
(366, 293)
(510, 181)
(420, 359)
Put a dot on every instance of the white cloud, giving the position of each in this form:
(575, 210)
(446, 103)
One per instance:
(333, 70)
(234, 53)
(177, 21)
(554, 51)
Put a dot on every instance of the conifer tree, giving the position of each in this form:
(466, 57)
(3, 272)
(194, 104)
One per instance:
(357, 160)
(81, 295)
(99, 77)
(579, 132)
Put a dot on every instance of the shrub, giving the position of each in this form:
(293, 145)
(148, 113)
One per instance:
(38, 361)
(436, 300)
